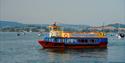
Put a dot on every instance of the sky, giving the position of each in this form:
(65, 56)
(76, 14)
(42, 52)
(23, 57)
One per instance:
(88, 12)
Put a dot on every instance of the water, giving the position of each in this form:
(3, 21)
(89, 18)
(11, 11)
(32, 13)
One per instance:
(25, 49)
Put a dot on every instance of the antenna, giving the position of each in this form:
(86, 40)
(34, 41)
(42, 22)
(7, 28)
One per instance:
(103, 27)
(54, 24)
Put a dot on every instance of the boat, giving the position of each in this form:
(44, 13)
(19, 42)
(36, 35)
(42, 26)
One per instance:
(18, 34)
(57, 38)
(119, 33)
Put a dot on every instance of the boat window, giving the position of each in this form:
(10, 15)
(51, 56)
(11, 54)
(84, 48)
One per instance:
(86, 40)
(83, 40)
(63, 40)
(72, 40)
(55, 39)
(49, 39)
(68, 40)
(46, 39)
(79, 40)
(52, 40)
(93, 41)
(59, 40)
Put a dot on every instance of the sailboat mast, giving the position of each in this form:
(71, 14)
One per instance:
(103, 27)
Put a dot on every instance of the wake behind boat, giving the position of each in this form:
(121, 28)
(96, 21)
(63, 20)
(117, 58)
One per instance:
(57, 38)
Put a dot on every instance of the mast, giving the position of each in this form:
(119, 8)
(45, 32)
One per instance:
(103, 27)
(118, 27)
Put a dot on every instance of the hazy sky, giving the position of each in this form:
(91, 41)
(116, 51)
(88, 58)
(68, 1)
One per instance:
(89, 12)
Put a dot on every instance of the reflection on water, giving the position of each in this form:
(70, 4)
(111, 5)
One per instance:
(76, 55)
(25, 49)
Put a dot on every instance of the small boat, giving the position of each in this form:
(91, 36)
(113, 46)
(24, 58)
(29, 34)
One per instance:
(120, 35)
(23, 33)
(39, 34)
(18, 34)
(57, 38)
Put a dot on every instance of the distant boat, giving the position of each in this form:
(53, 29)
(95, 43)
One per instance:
(18, 34)
(39, 34)
(30, 31)
(120, 34)
(23, 33)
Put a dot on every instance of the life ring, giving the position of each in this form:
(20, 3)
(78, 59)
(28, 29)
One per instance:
(65, 35)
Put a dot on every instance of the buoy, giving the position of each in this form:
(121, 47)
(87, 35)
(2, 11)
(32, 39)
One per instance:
(18, 34)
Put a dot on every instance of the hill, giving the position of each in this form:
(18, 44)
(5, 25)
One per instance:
(15, 26)
(7, 24)
(117, 25)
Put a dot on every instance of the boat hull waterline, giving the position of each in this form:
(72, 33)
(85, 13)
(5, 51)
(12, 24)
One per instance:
(45, 44)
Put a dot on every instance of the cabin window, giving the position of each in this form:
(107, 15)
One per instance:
(86, 40)
(71, 40)
(75, 40)
(79, 40)
(49, 39)
(82, 40)
(63, 40)
(55, 39)
(46, 39)
(52, 40)
(95, 41)
(92, 40)
(68, 40)
(60, 40)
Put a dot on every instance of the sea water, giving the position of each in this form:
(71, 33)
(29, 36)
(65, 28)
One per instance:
(25, 49)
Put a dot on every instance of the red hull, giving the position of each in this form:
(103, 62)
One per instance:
(62, 45)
